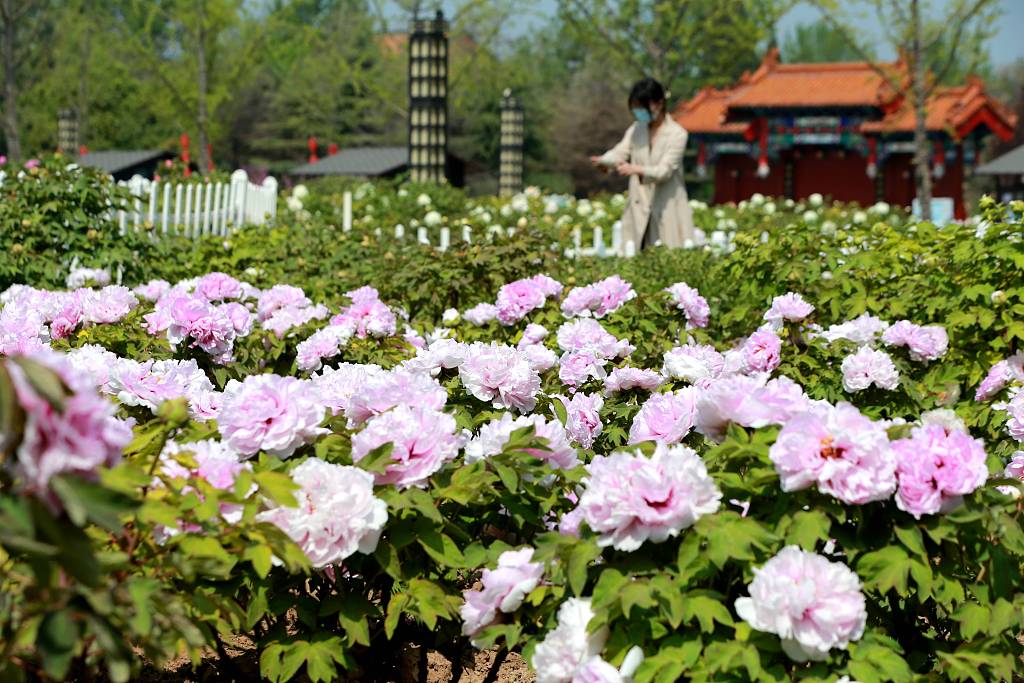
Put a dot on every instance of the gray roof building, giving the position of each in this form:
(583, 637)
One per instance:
(1011, 163)
(374, 162)
(125, 163)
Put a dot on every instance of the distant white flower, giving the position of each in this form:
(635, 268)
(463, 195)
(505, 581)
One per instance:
(423, 200)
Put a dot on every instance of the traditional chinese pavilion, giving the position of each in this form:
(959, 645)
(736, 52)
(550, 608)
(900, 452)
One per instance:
(839, 129)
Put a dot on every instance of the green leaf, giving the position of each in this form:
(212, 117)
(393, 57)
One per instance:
(56, 640)
(636, 594)
(378, 460)
(807, 528)
(885, 569)
(260, 557)
(581, 557)
(86, 501)
(278, 487)
(973, 619)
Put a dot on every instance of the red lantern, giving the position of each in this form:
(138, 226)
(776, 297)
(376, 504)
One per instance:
(702, 157)
(872, 169)
(332, 149)
(313, 158)
(762, 160)
(939, 163)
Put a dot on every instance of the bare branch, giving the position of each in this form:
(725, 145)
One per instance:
(962, 23)
(848, 38)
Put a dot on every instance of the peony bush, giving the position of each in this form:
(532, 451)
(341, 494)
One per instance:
(711, 464)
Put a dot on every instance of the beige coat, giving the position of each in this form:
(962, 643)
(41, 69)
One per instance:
(657, 202)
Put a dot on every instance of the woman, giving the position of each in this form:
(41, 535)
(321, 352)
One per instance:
(651, 154)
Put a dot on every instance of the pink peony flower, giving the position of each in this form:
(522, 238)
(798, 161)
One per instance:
(517, 299)
(108, 305)
(628, 498)
(95, 362)
(337, 386)
(549, 286)
(936, 468)
(694, 363)
(324, 343)
(287, 317)
(583, 417)
(790, 306)
(569, 647)
(79, 439)
(540, 358)
(481, 314)
(665, 418)
(863, 329)
(280, 296)
(441, 354)
(337, 513)
(1015, 409)
(22, 332)
(269, 413)
(624, 379)
(503, 589)
(382, 391)
(586, 334)
(748, 402)
(495, 435)
(866, 367)
(533, 334)
(368, 315)
(150, 383)
(218, 287)
(811, 603)
(1014, 470)
(924, 342)
(81, 277)
(240, 317)
(598, 299)
(577, 367)
(422, 439)
(839, 450)
(207, 327)
(689, 300)
(152, 290)
(500, 374)
(761, 351)
(1000, 375)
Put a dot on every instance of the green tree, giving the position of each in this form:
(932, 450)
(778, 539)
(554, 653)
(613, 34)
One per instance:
(818, 42)
(930, 48)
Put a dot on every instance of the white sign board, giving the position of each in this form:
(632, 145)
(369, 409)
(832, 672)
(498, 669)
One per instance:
(942, 210)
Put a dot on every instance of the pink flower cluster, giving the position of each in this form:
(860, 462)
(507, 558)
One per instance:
(811, 603)
(151, 382)
(495, 435)
(502, 590)
(517, 299)
(867, 366)
(627, 378)
(925, 342)
(690, 302)
(501, 375)
(325, 343)
(748, 401)
(337, 386)
(570, 650)
(199, 324)
(666, 418)
(587, 348)
(22, 331)
(837, 449)
(598, 299)
(629, 498)
(288, 317)
(422, 441)
(269, 413)
(481, 314)
(936, 467)
(367, 315)
(788, 307)
(78, 438)
(381, 391)
(863, 329)
(337, 513)
(1000, 375)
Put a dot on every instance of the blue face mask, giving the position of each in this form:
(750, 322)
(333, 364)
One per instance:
(641, 114)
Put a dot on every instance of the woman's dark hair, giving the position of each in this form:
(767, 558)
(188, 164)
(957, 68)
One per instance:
(646, 92)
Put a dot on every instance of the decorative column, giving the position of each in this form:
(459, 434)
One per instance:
(510, 173)
(428, 99)
(67, 132)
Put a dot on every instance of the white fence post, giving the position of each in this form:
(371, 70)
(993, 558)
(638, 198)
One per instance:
(446, 238)
(467, 234)
(598, 241)
(346, 212)
(399, 231)
(617, 238)
(165, 213)
(421, 235)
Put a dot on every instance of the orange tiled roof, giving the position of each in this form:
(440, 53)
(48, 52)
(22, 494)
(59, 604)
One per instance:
(842, 84)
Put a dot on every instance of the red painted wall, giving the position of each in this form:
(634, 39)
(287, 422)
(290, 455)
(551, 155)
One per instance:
(840, 174)
(736, 179)
(900, 189)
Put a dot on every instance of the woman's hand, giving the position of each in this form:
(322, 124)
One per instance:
(627, 169)
(596, 161)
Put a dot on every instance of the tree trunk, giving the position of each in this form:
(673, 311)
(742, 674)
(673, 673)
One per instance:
(922, 171)
(201, 118)
(11, 132)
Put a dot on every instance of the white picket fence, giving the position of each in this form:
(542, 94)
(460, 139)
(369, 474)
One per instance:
(598, 247)
(198, 208)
